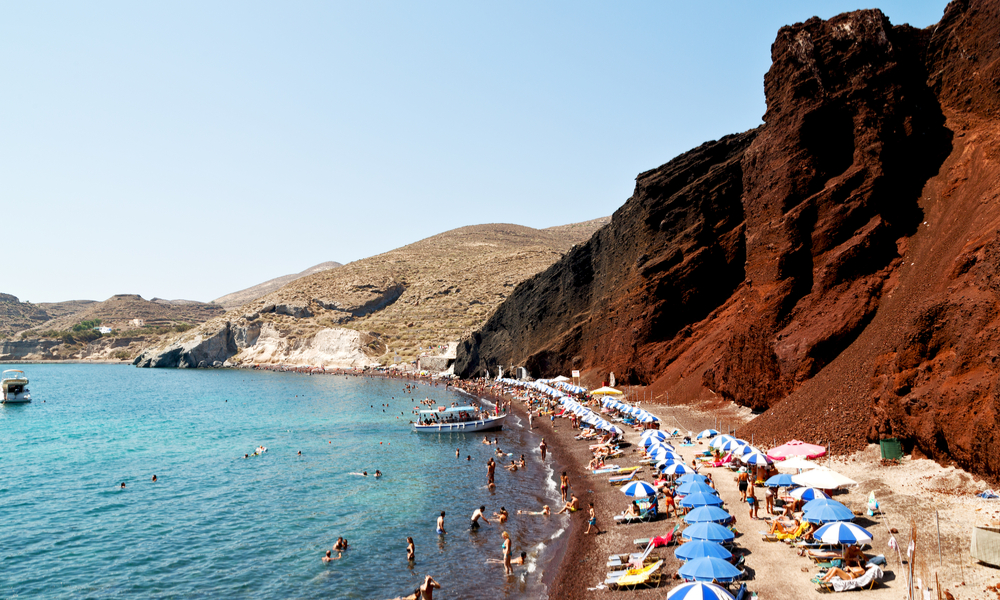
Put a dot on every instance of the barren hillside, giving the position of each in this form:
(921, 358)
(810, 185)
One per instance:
(237, 299)
(397, 305)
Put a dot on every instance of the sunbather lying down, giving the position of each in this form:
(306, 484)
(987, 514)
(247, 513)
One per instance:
(850, 573)
(784, 526)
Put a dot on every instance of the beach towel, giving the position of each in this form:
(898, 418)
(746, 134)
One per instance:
(989, 495)
(872, 575)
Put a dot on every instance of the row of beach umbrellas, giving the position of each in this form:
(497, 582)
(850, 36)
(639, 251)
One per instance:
(640, 414)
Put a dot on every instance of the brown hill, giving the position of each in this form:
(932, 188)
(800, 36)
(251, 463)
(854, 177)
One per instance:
(117, 312)
(402, 303)
(16, 315)
(836, 267)
(237, 299)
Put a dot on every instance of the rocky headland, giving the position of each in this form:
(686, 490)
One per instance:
(834, 269)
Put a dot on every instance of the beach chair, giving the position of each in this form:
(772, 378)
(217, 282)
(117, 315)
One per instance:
(647, 575)
(742, 593)
(648, 511)
(634, 560)
(667, 540)
(787, 537)
(622, 479)
(872, 576)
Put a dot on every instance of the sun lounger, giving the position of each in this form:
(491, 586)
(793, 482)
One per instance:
(636, 559)
(646, 575)
(872, 576)
(648, 511)
(622, 479)
(742, 593)
(670, 538)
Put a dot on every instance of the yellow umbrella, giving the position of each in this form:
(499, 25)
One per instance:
(605, 391)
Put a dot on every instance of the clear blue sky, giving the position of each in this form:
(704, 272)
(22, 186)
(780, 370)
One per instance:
(191, 149)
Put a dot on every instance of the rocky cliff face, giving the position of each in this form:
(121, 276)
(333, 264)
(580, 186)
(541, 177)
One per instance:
(835, 267)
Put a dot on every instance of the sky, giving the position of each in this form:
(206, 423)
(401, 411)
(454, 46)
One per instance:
(193, 149)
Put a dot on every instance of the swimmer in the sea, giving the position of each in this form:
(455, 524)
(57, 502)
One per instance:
(329, 558)
(378, 473)
(123, 485)
(545, 511)
(154, 478)
(411, 550)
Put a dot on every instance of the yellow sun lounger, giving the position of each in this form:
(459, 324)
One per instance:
(637, 577)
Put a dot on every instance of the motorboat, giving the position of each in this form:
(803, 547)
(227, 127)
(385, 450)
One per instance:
(14, 384)
(461, 419)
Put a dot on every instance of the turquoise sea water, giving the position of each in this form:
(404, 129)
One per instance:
(217, 525)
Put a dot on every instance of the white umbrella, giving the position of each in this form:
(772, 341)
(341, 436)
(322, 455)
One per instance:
(796, 463)
(823, 478)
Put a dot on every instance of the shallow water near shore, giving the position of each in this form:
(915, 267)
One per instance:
(218, 525)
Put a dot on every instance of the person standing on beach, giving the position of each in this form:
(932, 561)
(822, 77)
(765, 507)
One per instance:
(593, 521)
(752, 502)
(543, 447)
(563, 485)
(440, 524)
(742, 482)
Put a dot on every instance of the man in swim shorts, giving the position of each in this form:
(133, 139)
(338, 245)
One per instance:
(478, 514)
(440, 524)
(592, 522)
(572, 506)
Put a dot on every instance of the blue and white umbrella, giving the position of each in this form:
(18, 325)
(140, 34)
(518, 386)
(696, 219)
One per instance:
(756, 458)
(720, 440)
(694, 487)
(748, 449)
(731, 445)
(654, 435)
(808, 494)
(780, 480)
(708, 514)
(842, 533)
(699, 590)
(707, 433)
(700, 499)
(676, 469)
(709, 568)
(665, 462)
(829, 510)
(689, 477)
(639, 489)
(710, 532)
(700, 549)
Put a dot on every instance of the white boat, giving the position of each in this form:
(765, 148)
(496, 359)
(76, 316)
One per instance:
(13, 382)
(459, 419)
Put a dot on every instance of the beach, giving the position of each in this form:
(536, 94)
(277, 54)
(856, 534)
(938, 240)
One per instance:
(916, 492)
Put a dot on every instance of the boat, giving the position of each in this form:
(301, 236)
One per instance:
(13, 382)
(461, 419)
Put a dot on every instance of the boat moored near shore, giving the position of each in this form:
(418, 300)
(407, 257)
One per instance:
(457, 419)
(14, 384)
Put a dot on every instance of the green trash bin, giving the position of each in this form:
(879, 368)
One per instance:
(891, 449)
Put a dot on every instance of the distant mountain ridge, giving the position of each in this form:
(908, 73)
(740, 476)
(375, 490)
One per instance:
(237, 299)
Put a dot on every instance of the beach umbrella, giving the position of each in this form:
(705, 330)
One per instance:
(639, 489)
(663, 454)
(645, 417)
(756, 458)
(687, 477)
(709, 568)
(605, 391)
(807, 494)
(823, 478)
(710, 532)
(676, 469)
(796, 448)
(779, 480)
(744, 450)
(700, 499)
(699, 590)
(842, 533)
(696, 487)
(700, 549)
(824, 511)
(652, 438)
(708, 514)
(731, 445)
(707, 433)
(616, 430)
(720, 440)
(796, 464)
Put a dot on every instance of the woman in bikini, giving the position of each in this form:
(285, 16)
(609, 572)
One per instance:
(563, 485)
(507, 569)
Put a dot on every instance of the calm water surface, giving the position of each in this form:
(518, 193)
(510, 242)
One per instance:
(217, 525)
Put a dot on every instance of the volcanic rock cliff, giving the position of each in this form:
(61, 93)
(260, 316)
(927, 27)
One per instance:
(836, 267)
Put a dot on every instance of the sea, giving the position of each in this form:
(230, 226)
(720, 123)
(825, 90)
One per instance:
(218, 525)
